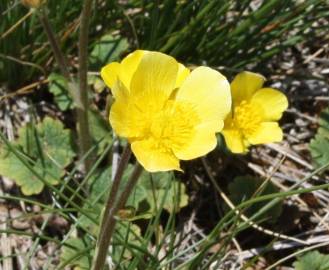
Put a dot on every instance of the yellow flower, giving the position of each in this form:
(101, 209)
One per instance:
(254, 115)
(167, 112)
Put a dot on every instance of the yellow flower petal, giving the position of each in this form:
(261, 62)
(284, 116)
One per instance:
(154, 158)
(125, 118)
(200, 144)
(209, 92)
(110, 73)
(268, 132)
(234, 141)
(244, 85)
(119, 119)
(123, 71)
(153, 81)
(129, 66)
(182, 74)
(272, 102)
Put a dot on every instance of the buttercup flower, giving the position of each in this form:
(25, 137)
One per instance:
(254, 115)
(165, 111)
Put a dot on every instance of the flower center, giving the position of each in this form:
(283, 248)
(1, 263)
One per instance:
(173, 126)
(247, 118)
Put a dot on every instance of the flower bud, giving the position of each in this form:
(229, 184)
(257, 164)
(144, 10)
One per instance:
(32, 3)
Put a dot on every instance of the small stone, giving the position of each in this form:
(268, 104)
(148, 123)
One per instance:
(17, 222)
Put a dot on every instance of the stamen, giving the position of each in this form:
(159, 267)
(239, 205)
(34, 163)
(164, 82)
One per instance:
(247, 118)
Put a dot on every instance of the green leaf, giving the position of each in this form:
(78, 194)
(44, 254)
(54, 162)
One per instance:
(319, 145)
(102, 183)
(58, 86)
(244, 187)
(97, 83)
(95, 212)
(76, 253)
(144, 200)
(125, 234)
(47, 147)
(175, 199)
(100, 130)
(48, 139)
(124, 227)
(313, 260)
(324, 122)
(12, 167)
(108, 49)
(156, 184)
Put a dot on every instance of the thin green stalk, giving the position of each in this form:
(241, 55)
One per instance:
(107, 230)
(90, 173)
(152, 226)
(295, 254)
(54, 44)
(116, 184)
(125, 245)
(24, 233)
(82, 95)
(45, 223)
(79, 94)
(114, 191)
(40, 178)
(207, 242)
(78, 255)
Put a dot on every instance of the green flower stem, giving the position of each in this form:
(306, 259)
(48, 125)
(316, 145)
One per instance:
(108, 225)
(78, 93)
(82, 95)
(54, 44)
(116, 184)
(112, 197)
